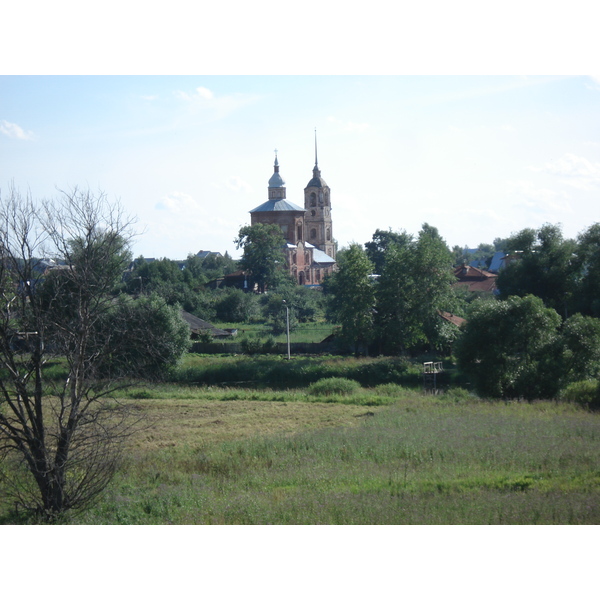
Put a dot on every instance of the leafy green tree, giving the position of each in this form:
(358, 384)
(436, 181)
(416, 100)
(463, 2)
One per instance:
(351, 295)
(483, 254)
(308, 304)
(274, 310)
(263, 257)
(381, 242)
(145, 322)
(587, 264)
(579, 342)
(236, 306)
(207, 269)
(162, 276)
(414, 285)
(459, 256)
(177, 283)
(508, 348)
(544, 266)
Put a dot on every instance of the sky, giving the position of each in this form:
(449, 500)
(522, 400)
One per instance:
(478, 157)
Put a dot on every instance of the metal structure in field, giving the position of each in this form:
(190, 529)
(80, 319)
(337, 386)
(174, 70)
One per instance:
(430, 373)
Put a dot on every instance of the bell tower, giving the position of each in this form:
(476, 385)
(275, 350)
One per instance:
(317, 204)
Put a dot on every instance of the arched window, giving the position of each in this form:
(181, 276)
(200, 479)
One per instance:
(313, 234)
(328, 235)
(299, 232)
(313, 199)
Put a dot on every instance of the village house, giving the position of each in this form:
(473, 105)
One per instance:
(475, 280)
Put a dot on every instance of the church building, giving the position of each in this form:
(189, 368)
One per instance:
(310, 248)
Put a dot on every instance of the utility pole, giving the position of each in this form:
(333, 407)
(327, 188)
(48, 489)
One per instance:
(287, 324)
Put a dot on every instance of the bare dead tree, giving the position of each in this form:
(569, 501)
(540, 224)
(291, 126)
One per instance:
(59, 263)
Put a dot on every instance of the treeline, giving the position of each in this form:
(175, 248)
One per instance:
(541, 337)
(538, 337)
(386, 297)
(185, 284)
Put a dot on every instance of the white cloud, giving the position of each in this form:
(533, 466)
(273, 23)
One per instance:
(180, 224)
(203, 98)
(349, 125)
(575, 171)
(205, 93)
(12, 130)
(570, 164)
(595, 82)
(539, 200)
(237, 184)
(198, 95)
(179, 203)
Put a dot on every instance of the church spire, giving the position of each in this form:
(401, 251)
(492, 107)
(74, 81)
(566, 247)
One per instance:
(316, 172)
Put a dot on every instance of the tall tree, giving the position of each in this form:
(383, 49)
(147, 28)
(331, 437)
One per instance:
(263, 258)
(543, 265)
(414, 285)
(60, 428)
(351, 296)
(381, 242)
(587, 263)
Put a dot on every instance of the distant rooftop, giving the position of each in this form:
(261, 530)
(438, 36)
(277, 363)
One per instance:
(274, 205)
(205, 253)
(320, 257)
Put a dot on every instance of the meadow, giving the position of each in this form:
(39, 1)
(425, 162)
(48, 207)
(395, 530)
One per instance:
(332, 450)
(303, 332)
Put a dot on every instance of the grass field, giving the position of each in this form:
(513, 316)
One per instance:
(304, 332)
(274, 458)
(331, 440)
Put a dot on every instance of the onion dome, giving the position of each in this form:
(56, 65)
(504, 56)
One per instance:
(276, 180)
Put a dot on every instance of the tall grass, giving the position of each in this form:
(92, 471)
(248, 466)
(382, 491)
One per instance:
(423, 460)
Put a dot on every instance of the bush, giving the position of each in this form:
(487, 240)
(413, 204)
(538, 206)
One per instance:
(333, 386)
(257, 346)
(390, 370)
(251, 346)
(586, 393)
(269, 346)
(236, 306)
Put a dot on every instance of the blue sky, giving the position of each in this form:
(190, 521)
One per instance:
(478, 157)
(425, 112)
